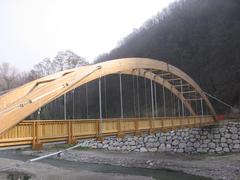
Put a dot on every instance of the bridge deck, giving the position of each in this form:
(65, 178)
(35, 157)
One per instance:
(37, 132)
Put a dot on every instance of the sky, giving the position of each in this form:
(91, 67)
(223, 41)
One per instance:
(31, 30)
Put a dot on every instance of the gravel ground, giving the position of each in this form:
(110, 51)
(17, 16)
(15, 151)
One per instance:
(43, 171)
(213, 166)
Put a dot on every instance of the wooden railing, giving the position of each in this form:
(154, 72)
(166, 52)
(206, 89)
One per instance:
(37, 132)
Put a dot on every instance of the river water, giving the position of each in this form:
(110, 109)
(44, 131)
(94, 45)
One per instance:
(102, 168)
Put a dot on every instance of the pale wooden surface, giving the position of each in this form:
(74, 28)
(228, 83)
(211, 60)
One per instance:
(19, 103)
(57, 130)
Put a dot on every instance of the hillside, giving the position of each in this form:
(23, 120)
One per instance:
(201, 37)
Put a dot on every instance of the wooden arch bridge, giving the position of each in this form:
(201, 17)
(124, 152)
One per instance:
(193, 107)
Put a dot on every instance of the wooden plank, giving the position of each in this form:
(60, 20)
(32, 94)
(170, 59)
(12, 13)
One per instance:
(43, 131)
(15, 109)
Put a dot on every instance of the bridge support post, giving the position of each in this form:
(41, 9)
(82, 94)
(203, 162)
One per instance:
(36, 144)
(151, 129)
(71, 139)
(99, 136)
(137, 131)
(120, 134)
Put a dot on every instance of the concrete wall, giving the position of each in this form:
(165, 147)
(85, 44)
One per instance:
(220, 138)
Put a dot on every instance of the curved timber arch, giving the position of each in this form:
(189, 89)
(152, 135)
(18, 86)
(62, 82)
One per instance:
(23, 101)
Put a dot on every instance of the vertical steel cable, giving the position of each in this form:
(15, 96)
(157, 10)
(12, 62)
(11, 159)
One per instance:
(152, 100)
(138, 100)
(39, 113)
(201, 106)
(164, 102)
(196, 103)
(145, 91)
(155, 97)
(100, 102)
(121, 99)
(183, 111)
(65, 106)
(73, 104)
(179, 111)
(134, 105)
(105, 96)
(86, 100)
(174, 105)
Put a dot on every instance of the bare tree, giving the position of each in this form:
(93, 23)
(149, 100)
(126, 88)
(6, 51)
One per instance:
(63, 60)
(8, 76)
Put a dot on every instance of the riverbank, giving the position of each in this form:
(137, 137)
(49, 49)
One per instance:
(220, 138)
(214, 166)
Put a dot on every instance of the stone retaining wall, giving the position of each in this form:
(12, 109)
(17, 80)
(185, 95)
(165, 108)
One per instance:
(221, 138)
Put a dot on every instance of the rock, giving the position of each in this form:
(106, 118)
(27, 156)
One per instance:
(226, 149)
(182, 145)
(152, 149)
(124, 148)
(233, 130)
(151, 140)
(189, 149)
(204, 145)
(105, 146)
(197, 136)
(223, 139)
(135, 138)
(227, 136)
(100, 146)
(143, 149)
(175, 142)
(224, 145)
(202, 150)
(222, 130)
(169, 137)
(203, 137)
(194, 132)
(211, 151)
(162, 147)
(234, 136)
(180, 150)
(168, 146)
(218, 149)
(216, 140)
(145, 139)
(196, 144)
(189, 144)
(149, 145)
(132, 143)
(206, 141)
(211, 145)
(192, 140)
(216, 136)
(236, 141)
(129, 139)
(236, 146)
(163, 139)
(133, 148)
(156, 144)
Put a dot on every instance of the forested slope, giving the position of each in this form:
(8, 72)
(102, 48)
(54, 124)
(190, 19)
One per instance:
(201, 37)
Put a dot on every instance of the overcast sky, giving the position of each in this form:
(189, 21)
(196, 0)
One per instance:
(31, 30)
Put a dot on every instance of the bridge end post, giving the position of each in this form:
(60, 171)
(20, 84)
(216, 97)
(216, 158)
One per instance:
(120, 134)
(99, 136)
(71, 139)
(36, 144)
